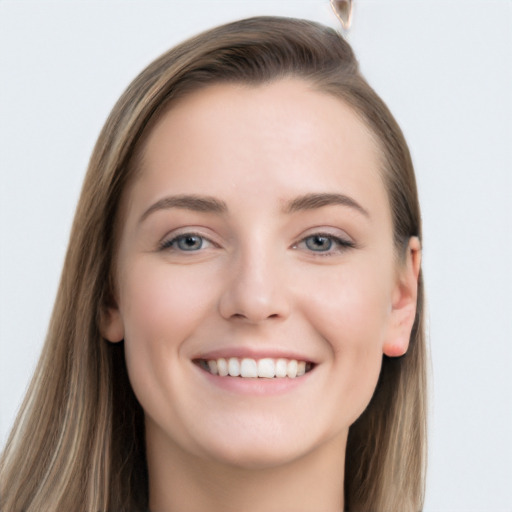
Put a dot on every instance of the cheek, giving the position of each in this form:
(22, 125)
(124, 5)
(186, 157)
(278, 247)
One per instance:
(352, 317)
(161, 308)
(162, 305)
(351, 308)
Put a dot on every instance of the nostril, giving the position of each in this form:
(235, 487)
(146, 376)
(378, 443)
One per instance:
(241, 316)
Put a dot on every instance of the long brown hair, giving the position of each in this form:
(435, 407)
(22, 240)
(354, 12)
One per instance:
(78, 440)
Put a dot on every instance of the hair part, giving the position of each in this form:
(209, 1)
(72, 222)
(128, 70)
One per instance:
(78, 440)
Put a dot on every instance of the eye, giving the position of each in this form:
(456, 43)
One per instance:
(188, 242)
(324, 243)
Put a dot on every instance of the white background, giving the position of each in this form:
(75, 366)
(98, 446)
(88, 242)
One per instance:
(445, 70)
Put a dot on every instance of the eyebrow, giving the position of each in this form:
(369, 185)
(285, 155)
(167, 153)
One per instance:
(207, 204)
(318, 200)
(187, 202)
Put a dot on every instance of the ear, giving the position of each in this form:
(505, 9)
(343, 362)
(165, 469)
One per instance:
(404, 300)
(111, 324)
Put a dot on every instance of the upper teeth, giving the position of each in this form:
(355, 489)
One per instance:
(247, 367)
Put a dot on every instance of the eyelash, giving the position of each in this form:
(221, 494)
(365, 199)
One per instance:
(340, 244)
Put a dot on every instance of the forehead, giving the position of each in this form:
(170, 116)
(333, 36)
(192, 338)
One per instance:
(285, 133)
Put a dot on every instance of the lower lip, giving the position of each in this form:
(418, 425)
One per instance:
(255, 386)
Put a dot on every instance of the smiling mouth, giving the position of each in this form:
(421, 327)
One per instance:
(266, 368)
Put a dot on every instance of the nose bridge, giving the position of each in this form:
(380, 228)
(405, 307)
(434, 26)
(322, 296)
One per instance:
(256, 288)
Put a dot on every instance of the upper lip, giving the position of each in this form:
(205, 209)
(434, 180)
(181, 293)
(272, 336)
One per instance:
(252, 353)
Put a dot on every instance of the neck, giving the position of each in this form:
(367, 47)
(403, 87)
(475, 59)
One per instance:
(180, 481)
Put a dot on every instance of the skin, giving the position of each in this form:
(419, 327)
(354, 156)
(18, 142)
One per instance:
(258, 284)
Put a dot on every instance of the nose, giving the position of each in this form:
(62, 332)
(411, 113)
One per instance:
(256, 290)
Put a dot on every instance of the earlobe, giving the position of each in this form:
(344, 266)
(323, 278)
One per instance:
(397, 343)
(404, 302)
(112, 328)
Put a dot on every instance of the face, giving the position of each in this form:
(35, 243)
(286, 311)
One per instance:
(257, 239)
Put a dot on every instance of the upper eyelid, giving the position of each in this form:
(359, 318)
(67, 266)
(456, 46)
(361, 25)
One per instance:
(327, 231)
(188, 230)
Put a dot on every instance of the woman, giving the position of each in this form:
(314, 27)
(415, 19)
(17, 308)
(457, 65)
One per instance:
(239, 324)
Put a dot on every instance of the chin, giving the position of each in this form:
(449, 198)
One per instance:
(257, 457)
(272, 445)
